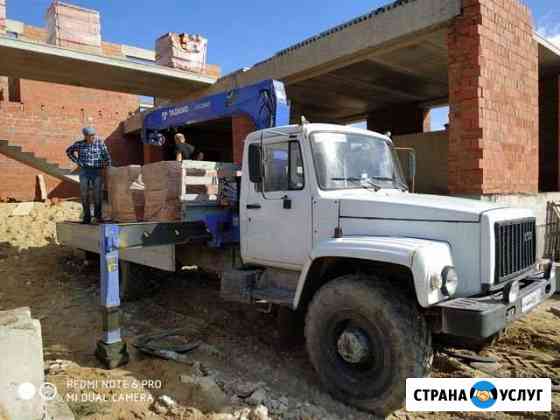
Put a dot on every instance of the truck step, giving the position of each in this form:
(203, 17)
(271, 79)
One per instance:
(274, 295)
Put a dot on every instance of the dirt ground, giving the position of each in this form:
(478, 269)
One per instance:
(240, 371)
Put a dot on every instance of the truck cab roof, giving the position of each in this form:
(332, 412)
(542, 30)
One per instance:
(295, 129)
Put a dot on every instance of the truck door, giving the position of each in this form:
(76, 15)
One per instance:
(278, 210)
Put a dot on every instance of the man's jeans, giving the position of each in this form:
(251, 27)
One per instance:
(91, 178)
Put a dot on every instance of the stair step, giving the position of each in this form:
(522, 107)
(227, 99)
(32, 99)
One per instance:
(274, 295)
(42, 164)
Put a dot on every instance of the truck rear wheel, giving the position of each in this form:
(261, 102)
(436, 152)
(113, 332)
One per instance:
(365, 338)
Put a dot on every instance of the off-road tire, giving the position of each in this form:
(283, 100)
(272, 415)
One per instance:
(398, 333)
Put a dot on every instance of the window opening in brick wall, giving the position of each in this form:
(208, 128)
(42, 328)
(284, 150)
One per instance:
(439, 117)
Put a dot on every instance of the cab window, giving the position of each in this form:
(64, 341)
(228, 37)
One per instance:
(283, 167)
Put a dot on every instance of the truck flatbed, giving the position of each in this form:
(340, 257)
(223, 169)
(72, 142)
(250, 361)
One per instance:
(132, 238)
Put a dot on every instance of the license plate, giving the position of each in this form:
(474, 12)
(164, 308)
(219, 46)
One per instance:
(531, 300)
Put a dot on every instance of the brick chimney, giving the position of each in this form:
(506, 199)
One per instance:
(74, 27)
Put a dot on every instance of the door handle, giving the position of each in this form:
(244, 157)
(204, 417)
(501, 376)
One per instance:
(253, 206)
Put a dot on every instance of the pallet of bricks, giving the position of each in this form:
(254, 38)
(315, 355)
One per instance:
(173, 189)
(74, 27)
(126, 193)
(182, 51)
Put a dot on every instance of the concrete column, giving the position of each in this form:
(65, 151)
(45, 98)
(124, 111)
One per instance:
(400, 120)
(549, 91)
(493, 95)
(21, 365)
(242, 126)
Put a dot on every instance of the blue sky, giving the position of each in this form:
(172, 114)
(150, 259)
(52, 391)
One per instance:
(240, 33)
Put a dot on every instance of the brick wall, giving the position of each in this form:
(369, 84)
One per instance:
(242, 126)
(401, 120)
(549, 131)
(493, 92)
(48, 119)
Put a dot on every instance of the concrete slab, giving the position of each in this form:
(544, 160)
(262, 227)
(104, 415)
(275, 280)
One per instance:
(549, 56)
(21, 364)
(393, 55)
(28, 60)
(350, 42)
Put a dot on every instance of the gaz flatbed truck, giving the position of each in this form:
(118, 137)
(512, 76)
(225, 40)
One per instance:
(327, 227)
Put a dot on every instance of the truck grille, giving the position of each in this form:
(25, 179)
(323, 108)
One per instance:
(515, 248)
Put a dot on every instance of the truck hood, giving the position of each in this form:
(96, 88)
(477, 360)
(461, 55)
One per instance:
(396, 205)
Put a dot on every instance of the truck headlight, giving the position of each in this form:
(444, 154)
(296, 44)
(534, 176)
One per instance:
(511, 292)
(450, 281)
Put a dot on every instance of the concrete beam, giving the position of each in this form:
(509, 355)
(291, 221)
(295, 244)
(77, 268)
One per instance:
(49, 63)
(349, 42)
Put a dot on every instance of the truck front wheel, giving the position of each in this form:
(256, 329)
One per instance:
(365, 338)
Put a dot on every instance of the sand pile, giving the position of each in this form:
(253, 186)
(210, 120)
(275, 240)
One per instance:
(35, 229)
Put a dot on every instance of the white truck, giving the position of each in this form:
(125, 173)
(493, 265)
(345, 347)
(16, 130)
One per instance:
(329, 229)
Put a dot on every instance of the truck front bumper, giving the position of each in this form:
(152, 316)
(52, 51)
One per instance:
(482, 317)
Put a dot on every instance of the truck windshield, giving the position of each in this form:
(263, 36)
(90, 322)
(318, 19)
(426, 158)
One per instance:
(349, 160)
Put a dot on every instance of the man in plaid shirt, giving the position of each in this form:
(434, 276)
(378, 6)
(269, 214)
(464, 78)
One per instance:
(92, 157)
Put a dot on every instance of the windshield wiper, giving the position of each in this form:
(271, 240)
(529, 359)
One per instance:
(361, 182)
(394, 180)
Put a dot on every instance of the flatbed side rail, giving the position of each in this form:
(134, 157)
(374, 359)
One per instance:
(133, 235)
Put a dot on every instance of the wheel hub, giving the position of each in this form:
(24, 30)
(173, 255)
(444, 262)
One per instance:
(353, 346)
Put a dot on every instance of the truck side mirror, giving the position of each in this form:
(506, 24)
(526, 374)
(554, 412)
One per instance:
(255, 163)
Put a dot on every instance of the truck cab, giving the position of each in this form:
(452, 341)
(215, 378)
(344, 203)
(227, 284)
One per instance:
(378, 270)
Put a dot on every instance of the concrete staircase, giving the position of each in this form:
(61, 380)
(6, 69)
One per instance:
(41, 164)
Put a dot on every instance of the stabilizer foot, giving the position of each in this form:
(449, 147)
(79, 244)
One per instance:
(112, 355)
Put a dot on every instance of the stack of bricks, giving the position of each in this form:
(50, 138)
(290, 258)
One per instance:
(185, 52)
(74, 27)
(493, 96)
(126, 193)
(163, 191)
(182, 51)
(2, 16)
(172, 188)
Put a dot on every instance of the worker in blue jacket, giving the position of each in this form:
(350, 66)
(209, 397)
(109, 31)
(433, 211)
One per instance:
(92, 157)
